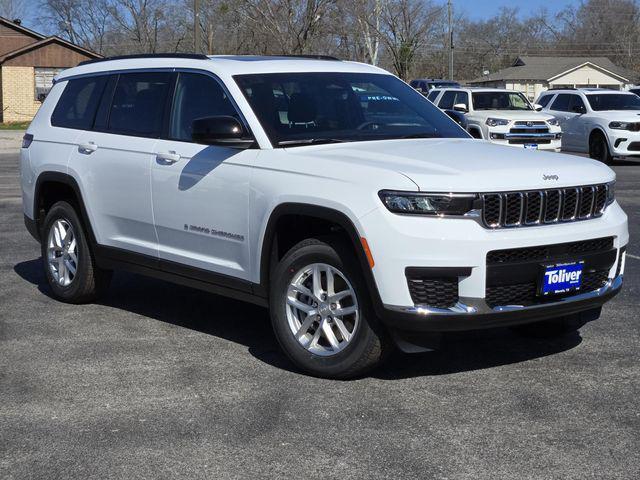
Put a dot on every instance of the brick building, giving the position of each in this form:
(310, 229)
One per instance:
(28, 63)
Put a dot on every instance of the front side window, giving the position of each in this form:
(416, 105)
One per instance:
(577, 105)
(561, 103)
(500, 101)
(433, 94)
(544, 100)
(338, 107)
(197, 96)
(447, 101)
(138, 104)
(78, 103)
(44, 81)
(614, 101)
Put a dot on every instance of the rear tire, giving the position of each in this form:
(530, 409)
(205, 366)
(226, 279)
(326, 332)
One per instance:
(330, 331)
(68, 261)
(599, 148)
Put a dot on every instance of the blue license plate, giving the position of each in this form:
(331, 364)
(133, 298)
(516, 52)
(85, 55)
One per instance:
(561, 278)
(532, 146)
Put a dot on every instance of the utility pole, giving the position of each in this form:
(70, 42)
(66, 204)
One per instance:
(450, 8)
(196, 26)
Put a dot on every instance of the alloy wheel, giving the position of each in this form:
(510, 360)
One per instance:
(62, 252)
(322, 309)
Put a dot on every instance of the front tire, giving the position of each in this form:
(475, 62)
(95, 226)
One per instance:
(599, 148)
(68, 261)
(321, 313)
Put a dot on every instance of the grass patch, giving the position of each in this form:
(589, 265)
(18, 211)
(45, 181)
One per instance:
(14, 126)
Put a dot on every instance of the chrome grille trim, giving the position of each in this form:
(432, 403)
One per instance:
(549, 206)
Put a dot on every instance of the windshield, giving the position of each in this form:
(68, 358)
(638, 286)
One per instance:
(614, 101)
(500, 101)
(305, 108)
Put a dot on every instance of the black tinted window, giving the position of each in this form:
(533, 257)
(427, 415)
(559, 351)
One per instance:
(614, 101)
(433, 94)
(78, 103)
(543, 100)
(446, 102)
(138, 104)
(561, 103)
(576, 104)
(196, 96)
(298, 108)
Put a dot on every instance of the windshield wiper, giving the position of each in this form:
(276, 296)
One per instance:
(310, 141)
(420, 135)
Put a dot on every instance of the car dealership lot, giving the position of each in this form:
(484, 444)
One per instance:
(161, 381)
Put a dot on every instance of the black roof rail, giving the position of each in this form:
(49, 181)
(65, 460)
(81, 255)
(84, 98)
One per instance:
(193, 56)
(310, 57)
(562, 88)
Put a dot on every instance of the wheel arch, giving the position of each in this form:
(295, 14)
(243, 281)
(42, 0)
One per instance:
(60, 186)
(268, 249)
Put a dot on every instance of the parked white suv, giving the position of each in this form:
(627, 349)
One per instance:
(504, 117)
(329, 191)
(603, 123)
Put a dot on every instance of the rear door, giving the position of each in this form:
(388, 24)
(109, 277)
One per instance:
(114, 160)
(200, 192)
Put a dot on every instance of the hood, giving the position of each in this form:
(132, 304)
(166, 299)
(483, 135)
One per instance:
(460, 165)
(512, 114)
(619, 115)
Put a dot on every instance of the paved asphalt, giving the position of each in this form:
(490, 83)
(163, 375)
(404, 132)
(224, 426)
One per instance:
(159, 381)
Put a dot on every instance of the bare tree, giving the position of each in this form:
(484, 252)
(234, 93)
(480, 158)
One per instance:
(12, 9)
(405, 27)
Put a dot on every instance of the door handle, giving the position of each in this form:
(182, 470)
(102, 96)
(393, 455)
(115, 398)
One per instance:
(87, 148)
(168, 158)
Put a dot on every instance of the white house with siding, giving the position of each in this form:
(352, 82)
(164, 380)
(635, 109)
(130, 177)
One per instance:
(533, 75)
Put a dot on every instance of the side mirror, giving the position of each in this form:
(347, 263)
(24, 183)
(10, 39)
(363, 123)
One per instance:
(460, 107)
(221, 130)
(537, 107)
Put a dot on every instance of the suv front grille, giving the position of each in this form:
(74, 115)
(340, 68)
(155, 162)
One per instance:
(526, 293)
(528, 208)
(546, 252)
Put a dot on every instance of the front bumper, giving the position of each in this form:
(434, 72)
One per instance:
(400, 242)
(624, 143)
(474, 314)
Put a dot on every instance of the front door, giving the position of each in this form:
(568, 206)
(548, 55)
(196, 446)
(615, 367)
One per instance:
(201, 193)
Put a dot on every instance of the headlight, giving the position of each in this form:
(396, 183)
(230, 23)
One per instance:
(428, 203)
(553, 121)
(494, 122)
(611, 192)
(619, 125)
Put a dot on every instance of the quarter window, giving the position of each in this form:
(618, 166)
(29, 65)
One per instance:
(78, 103)
(138, 104)
(197, 96)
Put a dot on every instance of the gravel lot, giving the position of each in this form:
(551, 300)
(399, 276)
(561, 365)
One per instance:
(160, 381)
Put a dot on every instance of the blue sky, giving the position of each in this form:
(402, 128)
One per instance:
(482, 9)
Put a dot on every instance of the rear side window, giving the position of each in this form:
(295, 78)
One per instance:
(433, 94)
(197, 96)
(561, 103)
(78, 103)
(544, 99)
(138, 104)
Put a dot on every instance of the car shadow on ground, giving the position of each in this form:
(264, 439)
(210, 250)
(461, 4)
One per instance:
(249, 325)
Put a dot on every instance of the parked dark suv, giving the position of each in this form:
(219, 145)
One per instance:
(425, 85)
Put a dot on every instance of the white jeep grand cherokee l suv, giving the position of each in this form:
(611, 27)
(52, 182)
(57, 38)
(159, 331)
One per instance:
(504, 117)
(603, 123)
(329, 191)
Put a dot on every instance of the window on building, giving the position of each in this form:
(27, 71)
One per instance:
(44, 81)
